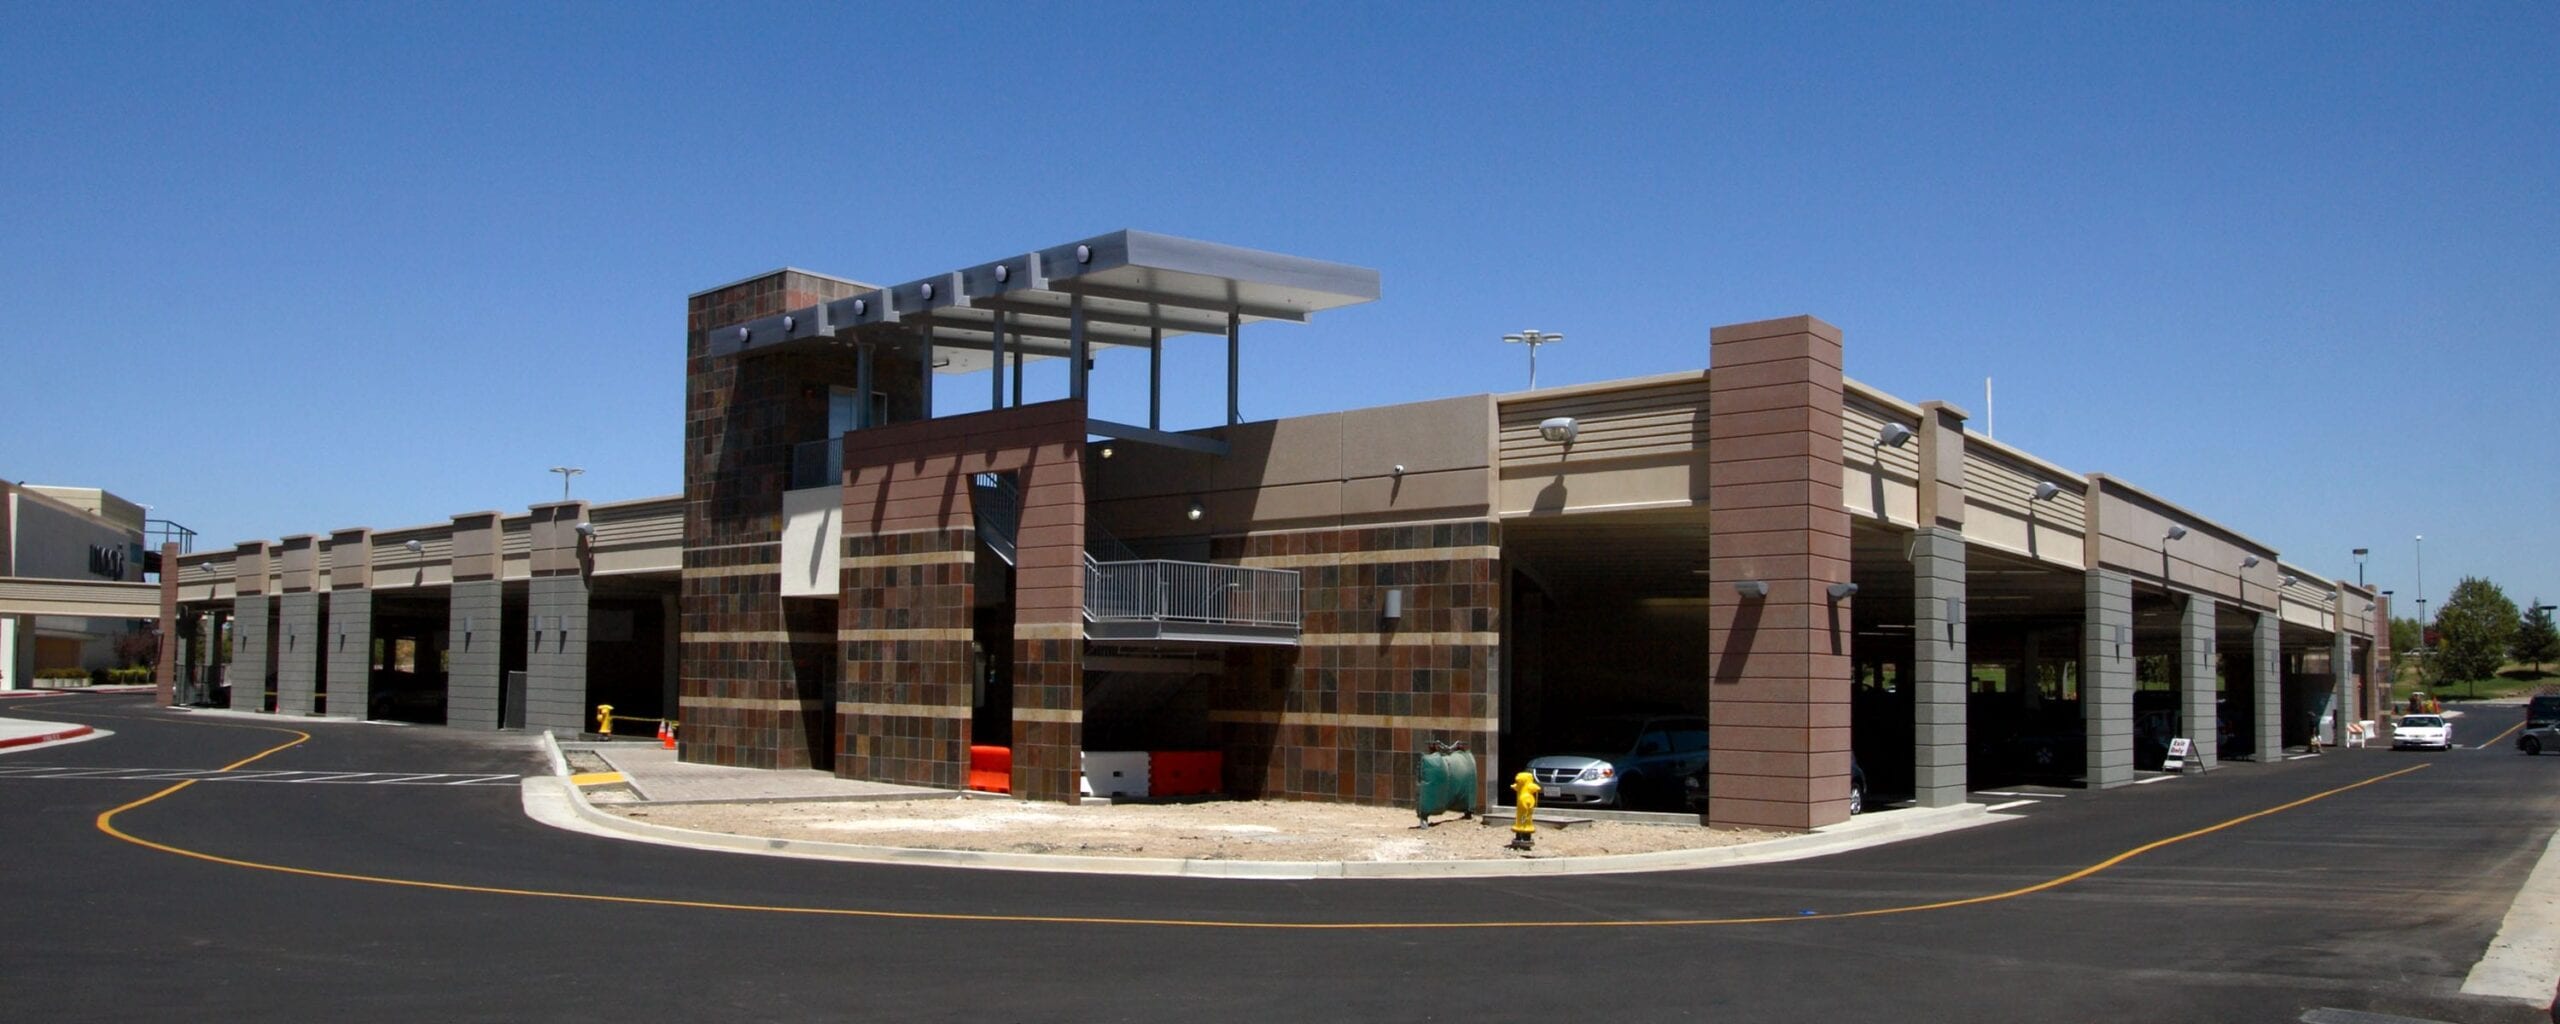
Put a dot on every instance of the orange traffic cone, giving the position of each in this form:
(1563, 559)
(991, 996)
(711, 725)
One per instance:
(666, 736)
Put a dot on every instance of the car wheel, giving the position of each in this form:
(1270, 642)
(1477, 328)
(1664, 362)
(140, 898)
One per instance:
(2531, 745)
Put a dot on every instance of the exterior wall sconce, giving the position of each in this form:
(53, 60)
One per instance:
(1559, 429)
(1954, 610)
(2250, 562)
(1395, 604)
(2175, 532)
(1108, 451)
(2047, 490)
(415, 547)
(1399, 469)
(2290, 579)
(1840, 590)
(1194, 512)
(1894, 435)
(587, 530)
(1751, 588)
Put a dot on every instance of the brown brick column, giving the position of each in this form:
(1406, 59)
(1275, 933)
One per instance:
(746, 696)
(1778, 694)
(904, 709)
(165, 670)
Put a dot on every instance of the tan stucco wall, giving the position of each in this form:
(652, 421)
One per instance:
(1642, 443)
(1308, 471)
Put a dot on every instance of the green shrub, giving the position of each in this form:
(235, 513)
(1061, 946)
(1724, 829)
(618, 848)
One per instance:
(135, 676)
(81, 674)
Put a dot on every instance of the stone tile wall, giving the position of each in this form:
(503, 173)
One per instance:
(1343, 716)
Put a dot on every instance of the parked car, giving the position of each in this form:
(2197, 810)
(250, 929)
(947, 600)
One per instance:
(2539, 732)
(2422, 731)
(1622, 761)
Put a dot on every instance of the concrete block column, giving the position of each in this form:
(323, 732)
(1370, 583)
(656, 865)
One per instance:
(2106, 676)
(1779, 658)
(17, 652)
(298, 643)
(475, 626)
(2266, 686)
(2197, 693)
(347, 666)
(1939, 667)
(2342, 683)
(555, 696)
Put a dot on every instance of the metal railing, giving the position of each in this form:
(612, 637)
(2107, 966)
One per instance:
(818, 463)
(160, 531)
(1166, 591)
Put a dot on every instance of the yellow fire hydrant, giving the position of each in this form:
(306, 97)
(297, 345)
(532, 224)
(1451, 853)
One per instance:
(604, 719)
(1524, 814)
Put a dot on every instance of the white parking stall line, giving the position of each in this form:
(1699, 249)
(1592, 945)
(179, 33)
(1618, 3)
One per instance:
(2155, 778)
(332, 777)
(2013, 793)
(83, 773)
(2298, 757)
(2009, 805)
(481, 780)
(397, 779)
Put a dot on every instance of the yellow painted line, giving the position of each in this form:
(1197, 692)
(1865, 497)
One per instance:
(595, 779)
(2511, 730)
(106, 824)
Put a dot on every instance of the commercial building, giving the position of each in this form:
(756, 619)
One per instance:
(853, 583)
(72, 561)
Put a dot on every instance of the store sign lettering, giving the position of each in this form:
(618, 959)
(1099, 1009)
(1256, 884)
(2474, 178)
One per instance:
(106, 561)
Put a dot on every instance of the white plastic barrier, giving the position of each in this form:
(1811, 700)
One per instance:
(1119, 773)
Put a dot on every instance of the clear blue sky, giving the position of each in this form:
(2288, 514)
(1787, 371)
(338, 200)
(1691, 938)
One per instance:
(2295, 268)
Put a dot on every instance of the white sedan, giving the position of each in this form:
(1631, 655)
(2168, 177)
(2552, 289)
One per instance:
(2422, 731)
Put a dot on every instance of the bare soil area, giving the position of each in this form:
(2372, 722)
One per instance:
(1226, 830)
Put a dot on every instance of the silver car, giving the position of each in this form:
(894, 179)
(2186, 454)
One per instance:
(1623, 760)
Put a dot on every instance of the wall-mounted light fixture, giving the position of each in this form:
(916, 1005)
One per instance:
(1894, 435)
(1108, 451)
(1399, 469)
(1194, 511)
(415, 547)
(1395, 603)
(1955, 610)
(2250, 562)
(2047, 490)
(1751, 588)
(2175, 532)
(2289, 579)
(587, 530)
(1840, 590)
(1559, 429)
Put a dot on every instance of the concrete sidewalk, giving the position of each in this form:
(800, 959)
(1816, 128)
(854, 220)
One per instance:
(24, 734)
(655, 776)
(571, 801)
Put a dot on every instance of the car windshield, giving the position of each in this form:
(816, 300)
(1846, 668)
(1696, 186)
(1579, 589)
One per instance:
(1603, 736)
(2421, 721)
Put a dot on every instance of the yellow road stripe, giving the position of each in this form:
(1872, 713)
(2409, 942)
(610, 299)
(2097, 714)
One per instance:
(595, 779)
(106, 824)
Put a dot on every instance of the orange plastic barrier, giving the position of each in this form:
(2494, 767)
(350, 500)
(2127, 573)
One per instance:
(991, 769)
(1185, 773)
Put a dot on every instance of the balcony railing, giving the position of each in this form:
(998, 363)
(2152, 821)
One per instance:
(1195, 600)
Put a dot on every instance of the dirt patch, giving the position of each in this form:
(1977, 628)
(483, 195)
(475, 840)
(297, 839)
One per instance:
(1229, 830)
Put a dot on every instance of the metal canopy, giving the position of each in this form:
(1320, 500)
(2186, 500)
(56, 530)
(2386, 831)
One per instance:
(1135, 288)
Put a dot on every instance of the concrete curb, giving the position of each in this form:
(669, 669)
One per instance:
(553, 801)
(77, 732)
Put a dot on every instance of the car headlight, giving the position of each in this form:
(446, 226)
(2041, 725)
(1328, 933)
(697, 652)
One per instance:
(1597, 773)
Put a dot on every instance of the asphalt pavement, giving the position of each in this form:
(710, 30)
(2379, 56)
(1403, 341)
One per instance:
(2362, 880)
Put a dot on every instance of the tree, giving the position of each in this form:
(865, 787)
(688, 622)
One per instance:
(2536, 640)
(2474, 629)
(2406, 635)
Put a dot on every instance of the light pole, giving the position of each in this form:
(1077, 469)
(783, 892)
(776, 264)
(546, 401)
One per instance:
(2360, 553)
(1533, 339)
(565, 473)
(2422, 591)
